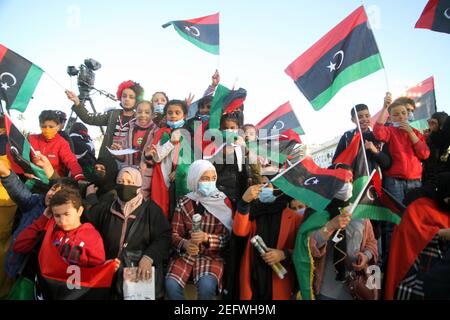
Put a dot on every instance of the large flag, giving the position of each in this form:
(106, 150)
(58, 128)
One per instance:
(20, 151)
(425, 100)
(309, 183)
(345, 54)
(202, 32)
(18, 79)
(225, 101)
(377, 203)
(353, 156)
(282, 119)
(435, 16)
(60, 281)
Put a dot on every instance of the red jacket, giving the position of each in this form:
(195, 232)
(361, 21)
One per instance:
(82, 246)
(406, 156)
(243, 227)
(57, 150)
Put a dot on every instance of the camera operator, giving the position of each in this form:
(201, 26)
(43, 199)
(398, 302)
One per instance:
(117, 120)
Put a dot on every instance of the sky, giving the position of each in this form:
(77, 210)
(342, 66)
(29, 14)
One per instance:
(258, 40)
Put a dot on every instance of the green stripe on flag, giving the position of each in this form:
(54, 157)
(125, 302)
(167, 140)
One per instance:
(365, 211)
(26, 90)
(217, 106)
(358, 185)
(352, 73)
(299, 130)
(207, 47)
(310, 198)
(420, 125)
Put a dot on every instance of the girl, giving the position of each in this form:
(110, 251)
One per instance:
(159, 101)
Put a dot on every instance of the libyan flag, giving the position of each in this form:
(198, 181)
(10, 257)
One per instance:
(18, 79)
(281, 119)
(60, 281)
(202, 32)
(20, 151)
(435, 16)
(425, 100)
(376, 203)
(345, 54)
(310, 184)
(353, 156)
(225, 101)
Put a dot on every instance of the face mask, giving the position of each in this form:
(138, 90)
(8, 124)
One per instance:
(345, 193)
(266, 196)
(158, 108)
(206, 188)
(204, 117)
(126, 192)
(175, 124)
(230, 134)
(410, 116)
(49, 133)
(301, 211)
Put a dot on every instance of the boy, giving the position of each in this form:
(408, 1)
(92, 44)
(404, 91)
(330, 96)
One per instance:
(77, 243)
(406, 145)
(375, 156)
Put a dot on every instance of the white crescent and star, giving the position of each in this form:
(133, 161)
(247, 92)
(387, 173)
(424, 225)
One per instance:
(275, 126)
(332, 66)
(192, 30)
(447, 13)
(369, 193)
(310, 181)
(5, 84)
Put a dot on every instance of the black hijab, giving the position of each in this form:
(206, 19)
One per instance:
(108, 182)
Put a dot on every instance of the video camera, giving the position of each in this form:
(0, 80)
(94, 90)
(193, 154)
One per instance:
(86, 76)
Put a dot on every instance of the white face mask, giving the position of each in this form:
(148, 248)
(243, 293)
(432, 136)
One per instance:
(345, 193)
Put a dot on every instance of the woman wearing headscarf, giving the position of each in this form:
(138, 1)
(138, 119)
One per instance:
(199, 253)
(264, 211)
(134, 231)
(321, 264)
(103, 182)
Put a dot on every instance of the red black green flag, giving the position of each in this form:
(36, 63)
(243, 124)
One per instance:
(282, 119)
(353, 156)
(425, 99)
(345, 54)
(225, 101)
(309, 183)
(378, 204)
(18, 79)
(276, 149)
(202, 32)
(20, 151)
(435, 16)
(60, 281)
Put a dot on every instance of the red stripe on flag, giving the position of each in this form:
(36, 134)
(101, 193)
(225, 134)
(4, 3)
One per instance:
(351, 152)
(421, 89)
(234, 105)
(313, 168)
(3, 51)
(8, 124)
(211, 19)
(426, 19)
(303, 63)
(279, 112)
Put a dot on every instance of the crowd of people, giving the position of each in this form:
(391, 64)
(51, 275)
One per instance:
(137, 204)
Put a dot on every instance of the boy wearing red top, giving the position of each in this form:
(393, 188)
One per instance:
(406, 145)
(77, 243)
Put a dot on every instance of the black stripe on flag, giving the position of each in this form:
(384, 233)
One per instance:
(441, 22)
(206, 33)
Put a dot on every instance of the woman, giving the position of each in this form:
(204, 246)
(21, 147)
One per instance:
(134, 231)
(141, 134)
(332, 261)
(199, 253)
(263, 211)
(172, 156)
(54, 147)
(117, 121)
(103, 182)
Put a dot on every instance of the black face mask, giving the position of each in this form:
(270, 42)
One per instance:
(126, 192)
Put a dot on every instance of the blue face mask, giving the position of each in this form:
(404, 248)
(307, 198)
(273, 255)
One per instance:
(204, 117)
(207, 188)
(410, 116)
(266, 195)
(176, 124)
(301, 211)
(158, 108)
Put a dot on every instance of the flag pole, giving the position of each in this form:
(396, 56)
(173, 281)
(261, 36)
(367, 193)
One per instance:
(55, 81)
(362, 140)
(283, 172)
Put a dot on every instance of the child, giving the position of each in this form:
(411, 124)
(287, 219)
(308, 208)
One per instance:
(169, 151)
(78, 244)
(406, 146)
(159, 101)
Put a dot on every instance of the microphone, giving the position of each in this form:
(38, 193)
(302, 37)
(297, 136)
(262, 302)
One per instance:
(259, 245)
(196, 222)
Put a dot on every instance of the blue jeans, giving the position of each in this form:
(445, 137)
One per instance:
(206, 288)
(399, 188)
